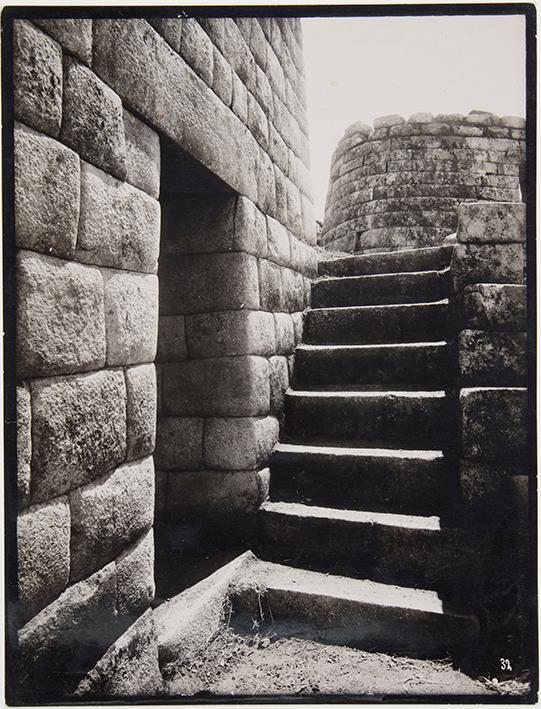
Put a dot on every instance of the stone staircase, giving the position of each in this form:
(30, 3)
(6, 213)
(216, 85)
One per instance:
(364, 477)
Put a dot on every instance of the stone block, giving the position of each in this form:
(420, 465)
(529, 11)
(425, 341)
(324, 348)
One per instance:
(171, 339)
(284, 333)
(231, 332)
(420, 118)
(239, 100)
(215, 28)
(278, 242)
(250, 228)
(24, 444)
(141, 410)
(170, 29)
(109, 514)
(196, 48)
(298, 324)
(271, 290)
(228, 386)
(204, 283)
(129, 668)
(60, 316)
(135, 577)
(75, 35)
(131, 317)
(239, 443)
(492, 358)
(43, 554)
(179, 444)
(388, 121)
(257, 122)
(486, 263)
(512, 122)
(482, 489)
(37, 78)
(495, 424)
(214, 495)
(491, 222)
(142, 155)
(195, 224)
(293, 286)
(279, 382)
(47, 186)
(92, 122)
(119, 225)
(222, 79)
(495, 306)
(161, 496)
(78, 430)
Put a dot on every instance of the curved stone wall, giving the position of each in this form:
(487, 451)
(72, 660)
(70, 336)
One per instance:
(399, 183)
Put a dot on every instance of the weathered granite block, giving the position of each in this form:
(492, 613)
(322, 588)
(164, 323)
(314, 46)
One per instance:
(141, 410)
(92, 121)
(43, 554)
(482, 489)
(250, 228)
(491, 222)
(257, 122)
(293, 285)
(119, 225)
(284, 333)
(161, 495)
(492, 358)
(204, 283)
(78, 430)
(298, 325)
(131, 317)
(271, 290)
(37, 78)
(60, 316)
(135, 577)
(228, 386)
(47, 186)
(170, 29)
(106, 516)
(494, 306)
(230, 332)
(172, 345)
(24, 444)
(179, 444)
(494, 424)
(278, 242)
(239, 443)
(279, 382)
(73, 35)
(486, 263)
(196, 49)
(222, 80)
(142, 155)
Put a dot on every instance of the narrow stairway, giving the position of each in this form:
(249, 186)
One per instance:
(364, 473)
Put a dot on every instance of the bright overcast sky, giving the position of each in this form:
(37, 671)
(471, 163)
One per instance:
(358, 68)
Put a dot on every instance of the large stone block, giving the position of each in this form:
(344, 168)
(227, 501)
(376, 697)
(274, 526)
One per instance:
(230, 332)
(204, 283)
(278, 242)
(239, 443)
(271, 291)
(131, 317)
(24, 444)
(37, 78)
(279, 382)
(179, 444)
(495, 424)
(73, 35)
(171, 339)
(106, 516)
(222, 80)
(92, 121)
(135, 577)
(293, 285)
(482, 488)
(142, 155)
(491, 222)
(170, 29)
(486, 263)
(250, 228)
(43, 554)
(227, 386)
(492, 358)
(119, 225)
(493, 306)
(60, 316)
(141, 410)
(47, 186)
(284, 333)
(196, 49)
(78, 430)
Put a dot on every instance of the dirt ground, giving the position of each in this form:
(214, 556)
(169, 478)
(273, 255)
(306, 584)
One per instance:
(239, 664)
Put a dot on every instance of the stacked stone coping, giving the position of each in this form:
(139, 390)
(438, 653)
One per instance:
(400, 183)
(87, 221)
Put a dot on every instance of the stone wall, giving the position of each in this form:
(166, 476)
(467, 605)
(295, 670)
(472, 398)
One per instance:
(101, 105)
(399, 184)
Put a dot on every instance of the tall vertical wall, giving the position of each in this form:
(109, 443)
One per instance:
(399, 183)
(93, 100)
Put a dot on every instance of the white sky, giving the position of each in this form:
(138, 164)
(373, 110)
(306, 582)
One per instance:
(358, 68)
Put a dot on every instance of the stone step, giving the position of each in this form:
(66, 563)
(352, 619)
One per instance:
(358, 613)
(380, 289)
(388, 419)
(381, 546)
(407, 365)
(371, 324)
(437, 257)
(410, 481)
